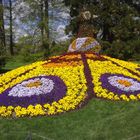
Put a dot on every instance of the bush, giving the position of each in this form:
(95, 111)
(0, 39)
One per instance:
(136, 54)
(122, 50)
(28, 54)
(58, 49)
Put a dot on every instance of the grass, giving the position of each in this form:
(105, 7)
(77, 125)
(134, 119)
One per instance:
(98, 120)
(138, 62)
(15, 62)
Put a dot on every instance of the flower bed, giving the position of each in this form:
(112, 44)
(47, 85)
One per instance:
(65, 82)
(84, 44)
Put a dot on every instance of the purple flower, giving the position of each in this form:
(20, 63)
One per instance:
(51, 93)
(138, 69)
(114, 87)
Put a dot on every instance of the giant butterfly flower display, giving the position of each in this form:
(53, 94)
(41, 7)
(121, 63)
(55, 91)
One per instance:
(65, 83)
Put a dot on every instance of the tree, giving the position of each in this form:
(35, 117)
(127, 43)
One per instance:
(44, 20)
(9, 24)
(34, 21)
(117, 20)
(111, 15)
(2, 36)
(11, 28)
(2, 31)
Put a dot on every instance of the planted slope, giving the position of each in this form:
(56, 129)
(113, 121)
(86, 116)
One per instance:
(65, 83)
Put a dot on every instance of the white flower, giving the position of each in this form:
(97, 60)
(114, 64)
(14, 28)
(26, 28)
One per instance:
(135, 86)
(22, 90)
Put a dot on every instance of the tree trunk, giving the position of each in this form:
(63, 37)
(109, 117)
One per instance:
(42, 21)
(11, 29)
(107, 35)
(44, 27)
(2, 31)
(46, 16)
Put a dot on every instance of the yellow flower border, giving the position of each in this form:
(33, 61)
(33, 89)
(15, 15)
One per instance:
(73, 77)
(98, 68)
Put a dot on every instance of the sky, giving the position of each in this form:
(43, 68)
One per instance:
(59, 17)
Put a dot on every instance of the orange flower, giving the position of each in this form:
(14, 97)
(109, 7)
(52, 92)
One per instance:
(125, 83)
(34, 84)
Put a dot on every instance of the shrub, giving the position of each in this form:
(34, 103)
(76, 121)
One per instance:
(122, 49)
(58, 49)
(29, 54)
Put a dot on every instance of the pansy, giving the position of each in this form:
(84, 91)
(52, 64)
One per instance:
(36, 86)
(64, 82)
(36, 90)
(124, 83)
(120, 84)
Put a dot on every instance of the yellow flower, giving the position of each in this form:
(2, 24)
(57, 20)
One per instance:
(132, 97)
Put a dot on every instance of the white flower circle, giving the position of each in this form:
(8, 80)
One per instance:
(22, 90)
(135, 86)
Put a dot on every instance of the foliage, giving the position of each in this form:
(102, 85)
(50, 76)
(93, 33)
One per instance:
(117, 20)
(59, 48)
(29, 54)
(128, 50)
(111, 17)
(13, 62)
(26, 54)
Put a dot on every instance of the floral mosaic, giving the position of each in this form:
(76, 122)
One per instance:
(65, 83)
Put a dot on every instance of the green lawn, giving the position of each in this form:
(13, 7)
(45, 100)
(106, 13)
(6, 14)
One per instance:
(98, 120)
(138, 62)
(14, 62)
